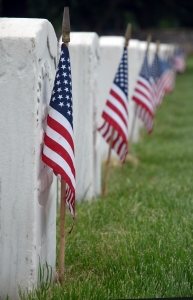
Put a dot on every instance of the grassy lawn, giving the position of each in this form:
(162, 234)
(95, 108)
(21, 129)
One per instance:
(138, 241)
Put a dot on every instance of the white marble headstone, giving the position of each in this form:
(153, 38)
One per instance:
(84, 54)
(135, 63)
(111, 49)
(28, 51)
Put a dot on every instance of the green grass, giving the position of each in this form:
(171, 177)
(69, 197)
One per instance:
(138, 241)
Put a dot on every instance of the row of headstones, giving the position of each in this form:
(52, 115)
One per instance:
(29, 53)
(93, 71)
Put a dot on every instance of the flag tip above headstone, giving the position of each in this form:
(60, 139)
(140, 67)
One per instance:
(127, 34)
(157, 46)
(66, 26)
(149, 38)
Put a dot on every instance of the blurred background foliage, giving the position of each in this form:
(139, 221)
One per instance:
(105, 17)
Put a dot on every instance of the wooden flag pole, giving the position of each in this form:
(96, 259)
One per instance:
(157, 46)
(149, 38)
(128, 34)
(107, 165)
(135, 109)
(133, 123)
(62, 231)
(66, 40)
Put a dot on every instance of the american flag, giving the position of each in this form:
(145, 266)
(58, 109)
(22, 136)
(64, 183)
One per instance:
(58, 149)
(115, 114)
(179, 62)
(154, 77)
(143, 96)
(168, 76)
(158, 79)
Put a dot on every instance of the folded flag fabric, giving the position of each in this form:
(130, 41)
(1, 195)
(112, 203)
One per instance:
(179, 61)
(162, 78)
(143, 96)
(157, 79)
(114, 128)
(58, 149)
(168, 76)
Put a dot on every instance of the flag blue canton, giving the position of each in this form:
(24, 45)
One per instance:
(121, 77)
(143, 96)
(166, 65)
(161, 70)
(145, 70)
(61, 99)
(155, 70)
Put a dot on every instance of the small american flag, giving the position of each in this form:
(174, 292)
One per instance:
(157, 79)
(154, 77)
(143, 96)
(168, 76)
(179, 63)
(115, 126)
(58, 149)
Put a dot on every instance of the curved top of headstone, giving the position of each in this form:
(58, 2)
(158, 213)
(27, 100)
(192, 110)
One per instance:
(133, 43)
(117, 41)
(143, 45)
(112, 41)
(85, 38)
(152, 46)
(35, 29)
(81, 38)
(165, 47)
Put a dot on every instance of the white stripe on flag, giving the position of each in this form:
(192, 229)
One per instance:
(145, 101)
(120, 93)
(55, 136)
(60, 162)
(58, 117)
(117, 119)
(118, 105)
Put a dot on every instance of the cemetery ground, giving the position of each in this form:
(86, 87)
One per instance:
(138, 241)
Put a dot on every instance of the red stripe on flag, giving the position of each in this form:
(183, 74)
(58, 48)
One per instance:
(120, 147)
(107, 130)
(143, 105)
(117, 111)
(53, 145)
(144, 95)
(58, 170)
(113, 123)
(118, 98)
(144, 85)
(61, 130)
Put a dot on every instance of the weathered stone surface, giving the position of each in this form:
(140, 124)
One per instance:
(28, 50)
(84, 55)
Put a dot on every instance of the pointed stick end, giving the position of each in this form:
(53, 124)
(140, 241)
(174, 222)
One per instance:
(149, 38)
(66, 26)
(128, 34)
(157, 46)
